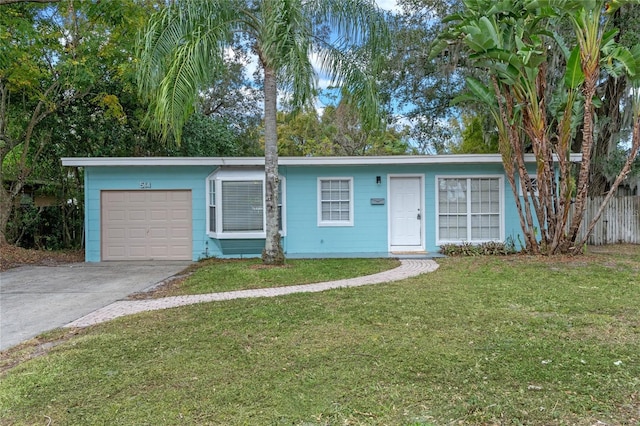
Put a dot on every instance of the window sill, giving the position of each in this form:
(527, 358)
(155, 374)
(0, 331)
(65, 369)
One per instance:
(334, 224)
(240, 235)
(237, 235)
(474, 242)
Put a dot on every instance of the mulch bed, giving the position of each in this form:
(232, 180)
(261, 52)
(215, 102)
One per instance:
(12, 257)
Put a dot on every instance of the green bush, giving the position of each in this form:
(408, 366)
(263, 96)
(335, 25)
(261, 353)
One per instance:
(490, 248)
(46, 228)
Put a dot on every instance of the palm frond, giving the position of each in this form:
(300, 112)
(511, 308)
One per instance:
(355, 56)
(352, 71)
(181, 50)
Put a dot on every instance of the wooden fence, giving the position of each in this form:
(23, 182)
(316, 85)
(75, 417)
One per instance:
(619, 223)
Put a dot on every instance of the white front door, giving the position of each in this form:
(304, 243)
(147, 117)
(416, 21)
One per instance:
(405, 213)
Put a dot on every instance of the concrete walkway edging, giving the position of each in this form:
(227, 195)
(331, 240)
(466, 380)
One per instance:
(408, 268)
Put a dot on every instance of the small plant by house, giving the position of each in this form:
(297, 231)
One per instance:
(489, 248)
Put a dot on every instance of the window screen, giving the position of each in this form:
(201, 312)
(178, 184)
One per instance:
(242, 206)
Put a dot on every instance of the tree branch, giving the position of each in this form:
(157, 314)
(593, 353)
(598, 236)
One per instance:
(635, 147)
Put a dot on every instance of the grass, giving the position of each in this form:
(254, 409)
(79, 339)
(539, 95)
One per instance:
(218, 275)
(514, 340)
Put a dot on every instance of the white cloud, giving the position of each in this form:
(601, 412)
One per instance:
(390, 5)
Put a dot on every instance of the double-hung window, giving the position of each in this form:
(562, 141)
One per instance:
(470, 209)
(237, 204)
(335, 201)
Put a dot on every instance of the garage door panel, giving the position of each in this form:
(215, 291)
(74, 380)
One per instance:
(181, 196)
(160, 215)
(114, 233)
(116, 251)
(137, 197)
(143, 225)
(137, 215)
(137, 233)
(181, 233)
(158, 233)
(159, 251)
(161, 196)
(180, 214)
(138, 251)
(115, 197)
(114, 215)
(176, 249)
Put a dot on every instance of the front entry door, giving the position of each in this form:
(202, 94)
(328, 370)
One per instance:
(406, 215)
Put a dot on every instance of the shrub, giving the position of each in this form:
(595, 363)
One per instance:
(491, 248)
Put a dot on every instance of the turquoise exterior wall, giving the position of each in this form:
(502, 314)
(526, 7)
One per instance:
(157, 178)
(370, 231)
(368, 235)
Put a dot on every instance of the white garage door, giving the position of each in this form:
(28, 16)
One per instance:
(144, 225)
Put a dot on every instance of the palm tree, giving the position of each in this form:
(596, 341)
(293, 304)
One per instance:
(183, 47)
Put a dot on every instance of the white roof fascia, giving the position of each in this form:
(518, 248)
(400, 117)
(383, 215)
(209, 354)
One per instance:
(294, 161)
(162, 161)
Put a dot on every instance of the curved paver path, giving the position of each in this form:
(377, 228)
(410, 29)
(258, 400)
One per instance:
(408, 268)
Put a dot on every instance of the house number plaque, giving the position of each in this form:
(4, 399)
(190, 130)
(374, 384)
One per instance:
(145, 185)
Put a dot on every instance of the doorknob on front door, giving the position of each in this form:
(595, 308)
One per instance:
(419, 217)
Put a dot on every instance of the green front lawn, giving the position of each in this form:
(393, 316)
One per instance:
(218, 275)
(514, 340)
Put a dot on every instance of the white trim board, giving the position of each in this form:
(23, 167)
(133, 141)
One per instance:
(294, 161)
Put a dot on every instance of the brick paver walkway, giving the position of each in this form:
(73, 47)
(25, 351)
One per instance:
(408, 268)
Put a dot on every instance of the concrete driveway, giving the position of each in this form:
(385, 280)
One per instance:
(35, 299)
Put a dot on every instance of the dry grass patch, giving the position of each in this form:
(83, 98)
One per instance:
(12, 257)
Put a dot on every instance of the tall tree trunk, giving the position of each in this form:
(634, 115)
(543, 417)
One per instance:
(511, 149)
(589, 31)
(5, 211)
(607, 136)
(272, 253)
(582, 186)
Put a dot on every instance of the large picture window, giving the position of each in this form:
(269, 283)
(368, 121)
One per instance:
(242, 206)
(335, 201)
(469, 209)
(236, 204)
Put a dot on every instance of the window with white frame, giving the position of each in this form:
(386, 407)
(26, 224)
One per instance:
(242, 206)
(236, 204)
(335, 201)
(212, 206)
(469, 209)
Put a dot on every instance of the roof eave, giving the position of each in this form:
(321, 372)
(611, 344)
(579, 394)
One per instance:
(293, 161)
